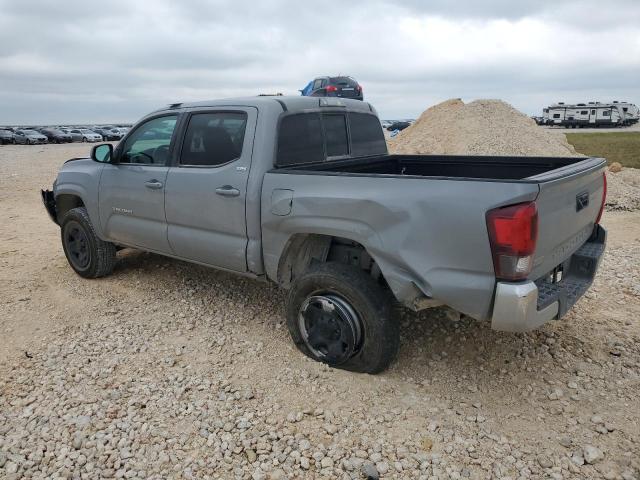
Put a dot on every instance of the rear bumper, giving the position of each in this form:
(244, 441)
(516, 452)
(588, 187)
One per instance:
(524, 306)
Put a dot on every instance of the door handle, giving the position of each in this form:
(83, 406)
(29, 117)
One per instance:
(153, 184)
(228, 191)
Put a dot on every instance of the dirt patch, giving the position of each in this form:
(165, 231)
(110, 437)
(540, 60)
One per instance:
(623, 190)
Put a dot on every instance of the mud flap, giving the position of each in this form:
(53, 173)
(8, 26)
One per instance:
(50, 205)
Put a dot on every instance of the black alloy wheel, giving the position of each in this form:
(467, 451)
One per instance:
(77, 245)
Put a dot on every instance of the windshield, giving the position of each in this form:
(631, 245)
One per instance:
(30, 132)
(87, 131)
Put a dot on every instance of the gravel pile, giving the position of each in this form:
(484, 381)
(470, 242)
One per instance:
(493, 127)
(482, 127)
(167, 370)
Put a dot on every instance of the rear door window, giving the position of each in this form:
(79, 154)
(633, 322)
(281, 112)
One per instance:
(335, 133)
(213, 138)
(367, 137)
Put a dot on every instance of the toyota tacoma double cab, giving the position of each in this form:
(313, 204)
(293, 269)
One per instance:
(301, 191)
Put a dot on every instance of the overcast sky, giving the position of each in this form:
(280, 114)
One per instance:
(115, 60)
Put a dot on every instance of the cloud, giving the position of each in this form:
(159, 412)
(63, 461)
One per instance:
(85, 61)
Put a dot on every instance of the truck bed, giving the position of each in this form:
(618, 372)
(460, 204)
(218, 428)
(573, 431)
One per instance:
(449, 166)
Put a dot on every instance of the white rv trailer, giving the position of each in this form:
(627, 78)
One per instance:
(592, 114)
(631, 112)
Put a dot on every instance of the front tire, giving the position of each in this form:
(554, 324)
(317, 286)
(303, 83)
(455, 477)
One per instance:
(84, 139)
(88, 255)
(339, 315)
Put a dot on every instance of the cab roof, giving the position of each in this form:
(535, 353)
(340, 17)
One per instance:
(285, 103)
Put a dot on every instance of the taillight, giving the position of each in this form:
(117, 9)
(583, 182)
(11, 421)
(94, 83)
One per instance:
(513, 232)
(604, 197)
(331, 89)
(360, 88)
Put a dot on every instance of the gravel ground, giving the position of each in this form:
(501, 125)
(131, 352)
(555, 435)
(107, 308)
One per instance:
(623, 190)
(169, 370)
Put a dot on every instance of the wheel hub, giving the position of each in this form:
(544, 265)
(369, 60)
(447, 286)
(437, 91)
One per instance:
(77, 246)
(330, 327)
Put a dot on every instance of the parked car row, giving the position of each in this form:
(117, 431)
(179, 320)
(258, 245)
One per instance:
(39, 135)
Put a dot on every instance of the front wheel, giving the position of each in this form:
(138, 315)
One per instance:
(88, 255)
(339, 315)
(84, 139)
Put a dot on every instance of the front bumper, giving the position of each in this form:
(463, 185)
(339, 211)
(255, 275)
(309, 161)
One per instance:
(524, 306)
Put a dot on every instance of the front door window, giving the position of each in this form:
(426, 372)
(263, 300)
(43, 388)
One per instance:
(149, 143)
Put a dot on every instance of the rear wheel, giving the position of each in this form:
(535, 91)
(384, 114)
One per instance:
(88, 255)
(337, 314)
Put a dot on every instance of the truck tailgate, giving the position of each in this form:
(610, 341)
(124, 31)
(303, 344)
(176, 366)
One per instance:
(568, 204)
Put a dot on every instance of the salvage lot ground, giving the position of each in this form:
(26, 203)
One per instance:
(169, 370)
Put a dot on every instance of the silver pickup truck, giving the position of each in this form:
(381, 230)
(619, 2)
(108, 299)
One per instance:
(301, 191)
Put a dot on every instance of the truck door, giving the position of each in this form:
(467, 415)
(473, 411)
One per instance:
(131, 199)
(207, 188)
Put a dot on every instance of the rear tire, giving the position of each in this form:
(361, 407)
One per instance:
(88, 255)
(339, 315)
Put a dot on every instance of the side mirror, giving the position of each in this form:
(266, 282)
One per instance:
(102, 153)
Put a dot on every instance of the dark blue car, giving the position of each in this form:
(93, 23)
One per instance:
(345, 87)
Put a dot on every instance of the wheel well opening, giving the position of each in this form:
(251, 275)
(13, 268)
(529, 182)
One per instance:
(304, 249)
(66, 202)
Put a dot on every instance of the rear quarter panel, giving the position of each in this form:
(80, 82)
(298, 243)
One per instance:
(424, 233)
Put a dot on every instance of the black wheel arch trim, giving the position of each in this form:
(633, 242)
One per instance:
(49, 202)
